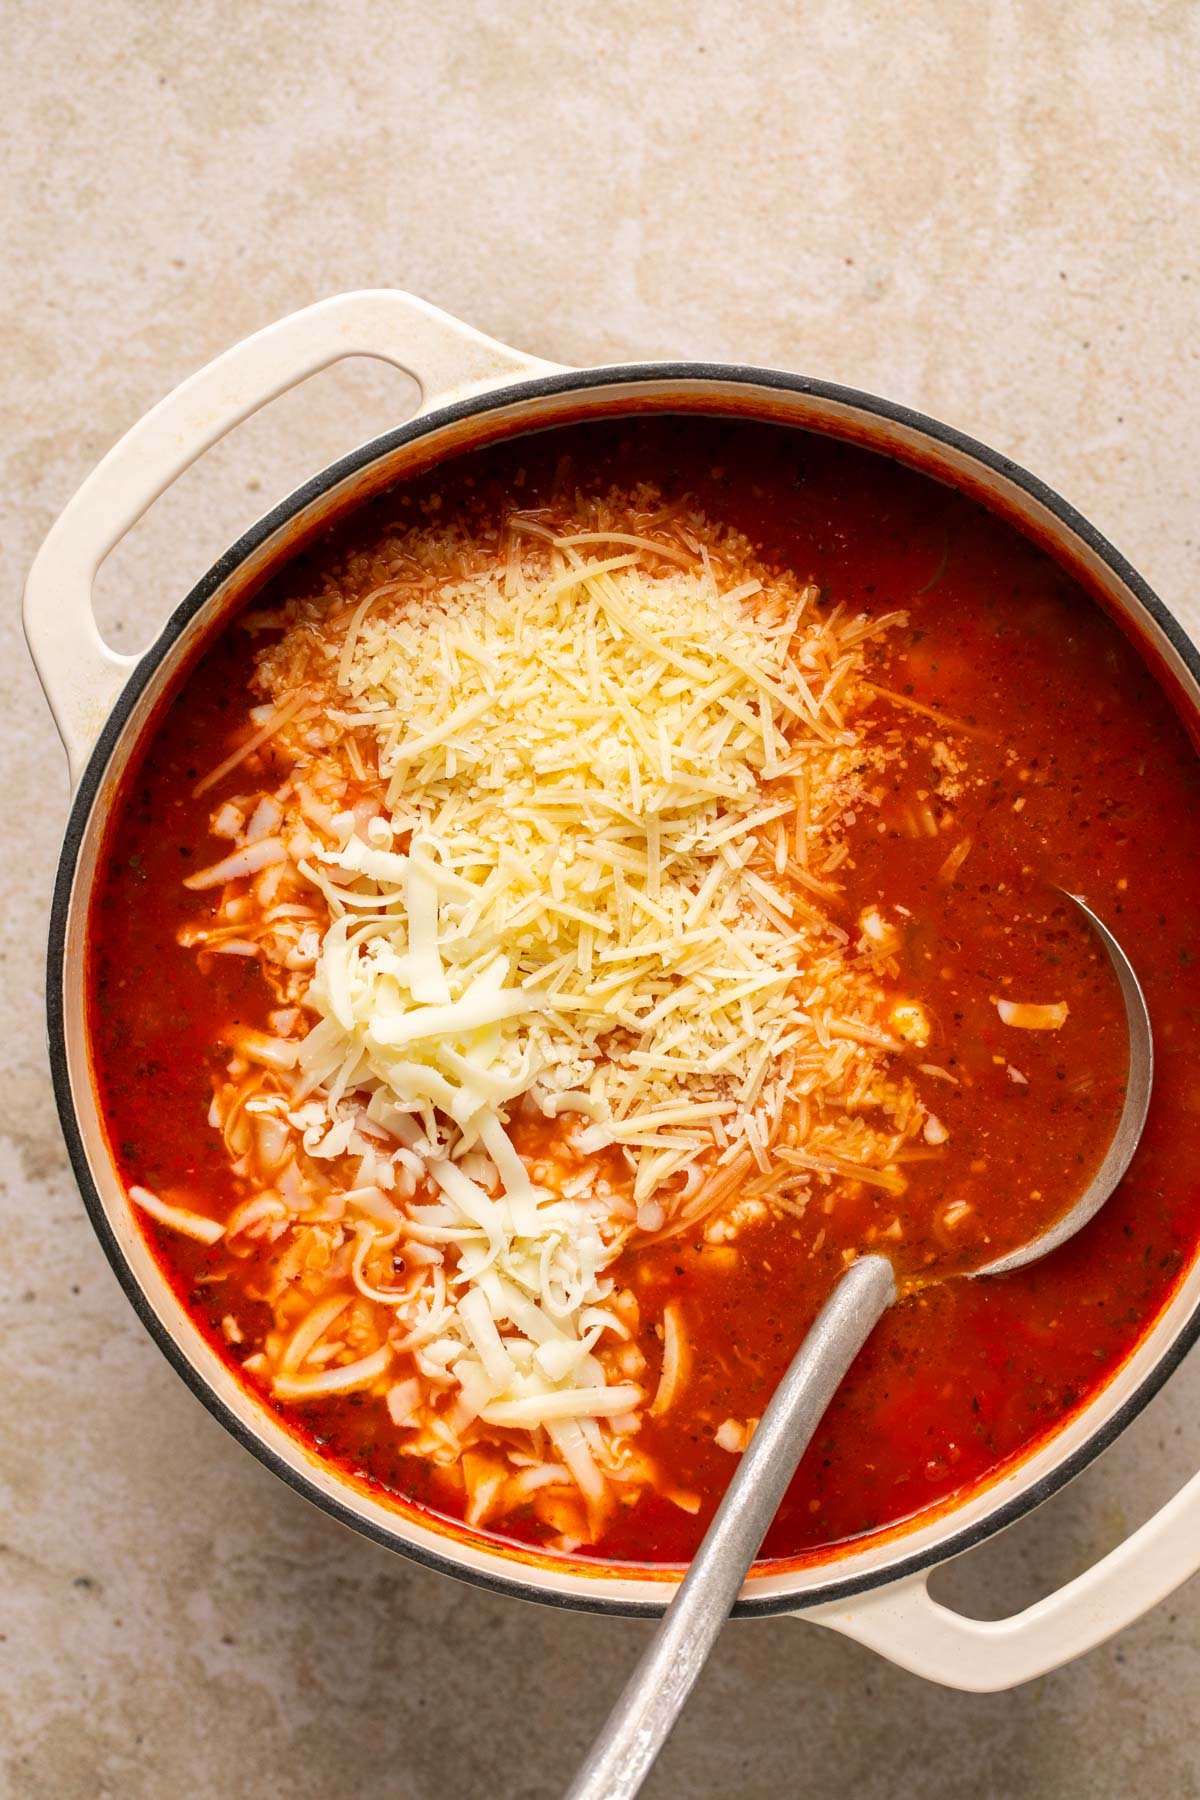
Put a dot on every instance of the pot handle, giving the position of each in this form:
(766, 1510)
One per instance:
(983, 1656)
(81, 675)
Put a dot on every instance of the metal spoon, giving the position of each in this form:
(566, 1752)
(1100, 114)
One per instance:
(654, 1696)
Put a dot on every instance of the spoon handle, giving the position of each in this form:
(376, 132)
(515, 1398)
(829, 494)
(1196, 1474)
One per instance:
(654, 1695)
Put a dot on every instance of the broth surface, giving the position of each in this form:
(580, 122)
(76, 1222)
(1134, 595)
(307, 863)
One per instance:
(1080, 777)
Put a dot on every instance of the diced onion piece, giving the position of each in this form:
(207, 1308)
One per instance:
(683, 1498)
(730, 1436)
(178, 1218)
(1029, 1016)
(675, 1361)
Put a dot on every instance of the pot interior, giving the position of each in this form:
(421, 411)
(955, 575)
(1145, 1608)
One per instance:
(939, 453)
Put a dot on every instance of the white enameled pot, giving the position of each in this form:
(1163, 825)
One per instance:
(475, 390)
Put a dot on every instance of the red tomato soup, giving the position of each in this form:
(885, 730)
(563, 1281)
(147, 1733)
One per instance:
(601, 887)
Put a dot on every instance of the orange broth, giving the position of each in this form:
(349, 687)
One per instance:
(1082, 778)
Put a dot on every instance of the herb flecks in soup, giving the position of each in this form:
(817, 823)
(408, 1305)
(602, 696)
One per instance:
(596, 935)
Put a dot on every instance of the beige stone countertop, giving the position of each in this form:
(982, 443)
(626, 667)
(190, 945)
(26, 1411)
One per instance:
(987, 209)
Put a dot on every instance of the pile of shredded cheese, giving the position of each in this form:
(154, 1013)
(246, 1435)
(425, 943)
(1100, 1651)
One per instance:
(563, 804)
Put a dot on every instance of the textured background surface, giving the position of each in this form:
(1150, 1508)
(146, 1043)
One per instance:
(981, 209)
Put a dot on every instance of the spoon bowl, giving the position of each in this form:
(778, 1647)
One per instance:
(1139, 1080)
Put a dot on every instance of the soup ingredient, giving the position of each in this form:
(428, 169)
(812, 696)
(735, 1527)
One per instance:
(1022, 690)
(1030, 1016)
(556, 832)
(584, 759)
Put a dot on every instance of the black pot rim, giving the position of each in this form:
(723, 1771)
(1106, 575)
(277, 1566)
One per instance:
(584, 381)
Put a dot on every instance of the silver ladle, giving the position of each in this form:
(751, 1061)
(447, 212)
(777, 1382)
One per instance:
(654, 1695)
